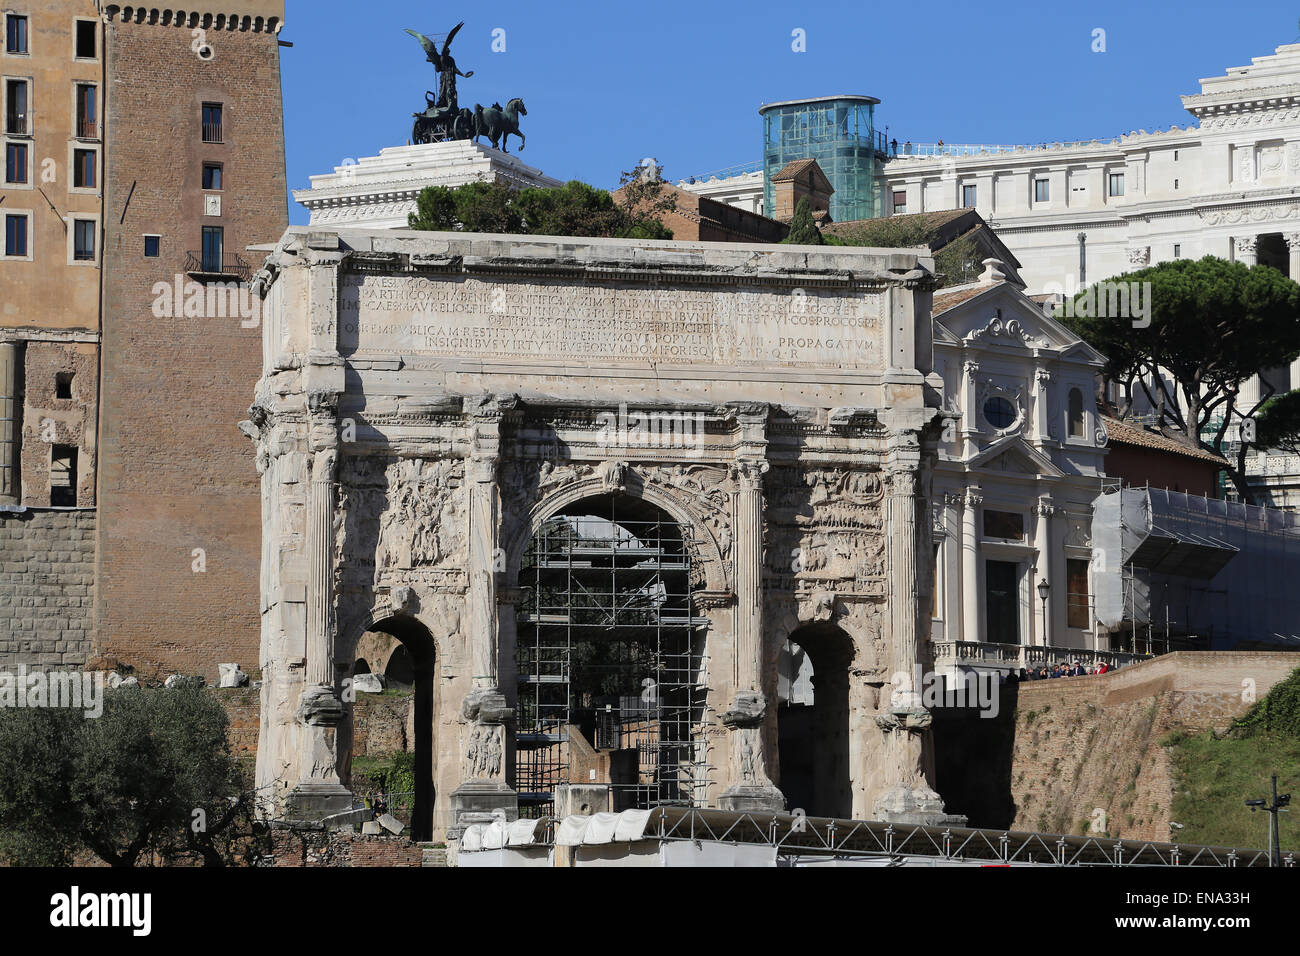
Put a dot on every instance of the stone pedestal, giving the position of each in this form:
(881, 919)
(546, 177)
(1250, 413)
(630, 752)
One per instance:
(484, 796)
(915, 807)
(481, 801)
(313, 802)
(753, 789)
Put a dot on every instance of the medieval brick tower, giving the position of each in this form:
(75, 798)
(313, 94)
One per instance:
(195, 175)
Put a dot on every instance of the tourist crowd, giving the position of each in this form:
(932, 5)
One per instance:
(1072, 669)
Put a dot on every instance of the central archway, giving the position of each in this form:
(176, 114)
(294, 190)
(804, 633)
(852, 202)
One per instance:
(813, 721)
(412, 663)
(608, 657)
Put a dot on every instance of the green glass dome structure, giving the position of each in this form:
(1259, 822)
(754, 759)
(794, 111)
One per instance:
(837, 131)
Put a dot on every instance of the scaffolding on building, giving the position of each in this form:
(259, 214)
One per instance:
(610, 662)
(1195, 573)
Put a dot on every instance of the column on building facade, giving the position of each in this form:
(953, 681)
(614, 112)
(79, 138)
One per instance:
(319, 792)
(10, 479)
(749, 575)
(1292, 240)
(484, 522)
(907, 796)
(970, 554)
(1246, 248)
(969, 397)
(483, 794)
(1042, 427)
(1293, 272)
(1043, 512)
(751, 784)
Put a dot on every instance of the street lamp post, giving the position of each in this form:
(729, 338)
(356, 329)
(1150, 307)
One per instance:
(1044, 589)
(1277, 806)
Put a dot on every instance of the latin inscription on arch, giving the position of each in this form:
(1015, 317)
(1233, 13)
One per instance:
(468, 317)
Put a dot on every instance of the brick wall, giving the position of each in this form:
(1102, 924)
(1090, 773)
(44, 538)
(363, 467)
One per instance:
(316, 848)
(47, 564)
(176, 476)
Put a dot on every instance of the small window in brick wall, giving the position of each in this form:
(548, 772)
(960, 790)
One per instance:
(63, 385)
(63, 476)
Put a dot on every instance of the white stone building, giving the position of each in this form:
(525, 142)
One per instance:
(380, 191)
(1015, 482)
(1076, 213)
(1080, 212)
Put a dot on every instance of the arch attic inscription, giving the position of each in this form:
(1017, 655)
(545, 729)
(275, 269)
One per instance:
(609, 322)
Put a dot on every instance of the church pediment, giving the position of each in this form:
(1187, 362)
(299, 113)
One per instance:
(1013, 455)
(1004, 317)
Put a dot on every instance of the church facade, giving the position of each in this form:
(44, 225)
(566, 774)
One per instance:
(596, 488)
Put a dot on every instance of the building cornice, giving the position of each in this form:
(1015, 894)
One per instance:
(245, 16)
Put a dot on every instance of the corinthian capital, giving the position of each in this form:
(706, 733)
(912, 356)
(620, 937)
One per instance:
(749, 473)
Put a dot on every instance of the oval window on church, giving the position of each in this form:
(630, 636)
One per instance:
(999, 412)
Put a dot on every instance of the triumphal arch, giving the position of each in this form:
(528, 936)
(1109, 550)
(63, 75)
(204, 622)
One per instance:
(602, 491)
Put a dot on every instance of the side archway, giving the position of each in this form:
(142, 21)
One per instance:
(813, 720)
(417, 650)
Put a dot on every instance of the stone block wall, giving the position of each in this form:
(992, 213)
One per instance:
(47, 563)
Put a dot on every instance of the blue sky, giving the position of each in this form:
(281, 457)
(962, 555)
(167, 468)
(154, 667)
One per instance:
(606, 84)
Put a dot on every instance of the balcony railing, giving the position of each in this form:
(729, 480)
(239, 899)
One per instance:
(16, 124)
(1016, 656)
(87, 129)
(211, 267)
(212, 133)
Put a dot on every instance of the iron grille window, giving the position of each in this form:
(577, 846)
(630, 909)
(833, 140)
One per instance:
(212, 123)
(17, 119)
(87, 123)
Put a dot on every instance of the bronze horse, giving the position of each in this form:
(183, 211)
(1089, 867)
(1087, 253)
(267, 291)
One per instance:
(497, 124)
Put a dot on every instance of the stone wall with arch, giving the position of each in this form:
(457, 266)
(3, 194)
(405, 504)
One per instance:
(403, 476)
